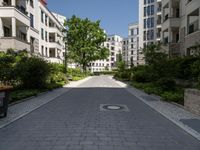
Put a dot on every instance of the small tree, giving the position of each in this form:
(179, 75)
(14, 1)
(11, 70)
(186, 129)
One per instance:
(84, 40)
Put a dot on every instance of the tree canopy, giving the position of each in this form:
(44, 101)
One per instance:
(85, 40)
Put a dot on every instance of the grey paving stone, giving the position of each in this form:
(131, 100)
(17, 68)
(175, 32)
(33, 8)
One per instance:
(74, 121)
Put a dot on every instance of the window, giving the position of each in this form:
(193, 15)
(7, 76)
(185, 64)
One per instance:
(46, 18)
(46, 52)
(132, 32)
(145, 1)
(46, 36)
(42, 16)
(32, 20)
(131, 52)
(152, 22)
(112, 48)
(31, 3)
(145, 23)
(148, 23)
(145, 11)
(152, 34)
(152, 9)
(42, 34)
(131, 39)
(6, 31)
(148, 10)
(42, 50)
(131, 45)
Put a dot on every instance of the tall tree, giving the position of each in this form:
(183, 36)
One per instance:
(84, 39)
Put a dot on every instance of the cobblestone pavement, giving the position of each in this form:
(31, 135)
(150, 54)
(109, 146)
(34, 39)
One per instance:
(75, 121)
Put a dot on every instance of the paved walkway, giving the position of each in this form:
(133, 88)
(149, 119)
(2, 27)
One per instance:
(76, 121)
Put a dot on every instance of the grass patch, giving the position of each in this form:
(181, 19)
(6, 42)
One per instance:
(17, 95)
(77, 78)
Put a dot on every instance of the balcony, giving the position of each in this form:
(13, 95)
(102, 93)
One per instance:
(192, 39)
(14, 43)
(171, 22)
(13, 12)
(191, 6)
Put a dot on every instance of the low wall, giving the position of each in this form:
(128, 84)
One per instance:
(192, 100)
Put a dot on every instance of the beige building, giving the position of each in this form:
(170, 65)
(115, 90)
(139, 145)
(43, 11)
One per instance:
(181, 26)
(29, 25)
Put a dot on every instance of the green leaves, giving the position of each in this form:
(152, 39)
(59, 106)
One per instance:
(84, 39)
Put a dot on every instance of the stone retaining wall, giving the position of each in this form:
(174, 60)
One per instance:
(192, 100)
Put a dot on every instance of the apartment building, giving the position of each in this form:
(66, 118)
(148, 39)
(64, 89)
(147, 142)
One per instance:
(190, 26)
(30, 25)
(181, 26)
(114, 44)
(132, 54)
(171, 26)
(125, 54)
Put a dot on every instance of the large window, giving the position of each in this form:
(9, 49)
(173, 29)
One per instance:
(32, 20)
(152, 9)
(145, 23)
(46, 36)
(31, 3)
(42, 16)
(152, 22)
(42, 34)
(145, 11)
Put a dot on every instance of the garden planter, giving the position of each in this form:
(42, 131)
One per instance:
(192, 100)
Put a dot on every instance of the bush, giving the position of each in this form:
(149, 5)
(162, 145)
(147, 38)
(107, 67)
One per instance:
(196, 69)
(58, 77)
(7, 73)
(175, 96)
(55, 67)
(33, 72)
(183, 67)
(166, 84)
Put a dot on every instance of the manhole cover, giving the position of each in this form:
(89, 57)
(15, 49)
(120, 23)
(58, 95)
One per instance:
(113, 107)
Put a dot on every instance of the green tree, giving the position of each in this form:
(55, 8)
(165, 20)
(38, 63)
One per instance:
(153, 54)
(84, 39)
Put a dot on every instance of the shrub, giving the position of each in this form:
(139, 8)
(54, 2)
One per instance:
(7, 73)
(196, 69)
(166, 84)
(33, 72)
(175, 96)
(183, 67)
(58, 77)
(55, 67)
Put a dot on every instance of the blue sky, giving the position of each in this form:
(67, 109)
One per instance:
(115, 15)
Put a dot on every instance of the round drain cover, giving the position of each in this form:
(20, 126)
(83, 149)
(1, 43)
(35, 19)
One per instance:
(112, 107)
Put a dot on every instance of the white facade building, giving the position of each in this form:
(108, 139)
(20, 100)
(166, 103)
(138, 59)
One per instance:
(125, 52)
(114, 44)
(30, 25)
(132, 54)
(149, 22)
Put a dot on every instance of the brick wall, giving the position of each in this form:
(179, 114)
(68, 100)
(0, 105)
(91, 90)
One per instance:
(192, 100)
